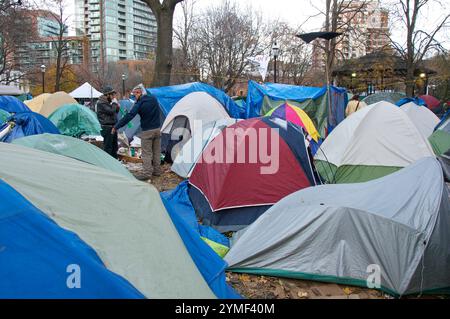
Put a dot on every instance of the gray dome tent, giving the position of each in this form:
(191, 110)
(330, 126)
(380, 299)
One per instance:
(333, 233)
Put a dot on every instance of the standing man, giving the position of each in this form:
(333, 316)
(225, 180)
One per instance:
(148, 108)
(107, 109)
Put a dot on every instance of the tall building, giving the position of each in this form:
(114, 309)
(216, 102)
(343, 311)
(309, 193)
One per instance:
(41, 48)
(116, 29)
(368, 31)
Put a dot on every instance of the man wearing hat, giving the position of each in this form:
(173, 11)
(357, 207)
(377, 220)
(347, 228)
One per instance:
(148, 108)
(107, 109)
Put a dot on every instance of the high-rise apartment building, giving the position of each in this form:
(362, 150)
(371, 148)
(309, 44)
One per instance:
(116, 29)
(368, 31)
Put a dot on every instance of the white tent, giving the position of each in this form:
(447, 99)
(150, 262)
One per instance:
(424, 119)
(86, 91)
(196, 106)
(371, 143)
(191, 151)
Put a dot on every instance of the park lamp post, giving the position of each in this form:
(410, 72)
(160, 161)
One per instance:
(353, 78)
(43, 68)
(424, 78)
(124, 77)
(275, 53)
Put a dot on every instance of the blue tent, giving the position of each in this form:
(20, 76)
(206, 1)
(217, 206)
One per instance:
(36, 257)
(261, 98)
(416, 100)
(168, 96)
(27, 124)
(211, 266)
(12, 105)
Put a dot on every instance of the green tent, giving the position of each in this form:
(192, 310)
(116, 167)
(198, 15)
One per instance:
(75, 120)
(122, 219)
(3, 115)
(74, 148)
(440, 139)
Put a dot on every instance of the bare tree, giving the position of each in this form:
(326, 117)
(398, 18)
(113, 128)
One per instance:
(228, 36)
(294, 56)
(419, 43)
(163, 12)
(187, 57)
(339, 17)
(15, 30)
(61, 41)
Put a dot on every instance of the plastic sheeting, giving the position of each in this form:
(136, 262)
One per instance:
(415, 100)
(123, 220)
(391, 97)
(27, 124)
(335, 232)
(262, 98)
(36, 256)
(11, 104)
(74, 148)
(208, 262)
(168, 96)
(4, 116)
(76, 120)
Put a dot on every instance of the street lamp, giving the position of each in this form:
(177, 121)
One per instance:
(424, 77)
(353, 77)
(43, 68)
(123, 85)
(275, 52)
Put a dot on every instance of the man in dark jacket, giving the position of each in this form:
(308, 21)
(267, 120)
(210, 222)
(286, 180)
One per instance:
(148, 108)
(107, 110)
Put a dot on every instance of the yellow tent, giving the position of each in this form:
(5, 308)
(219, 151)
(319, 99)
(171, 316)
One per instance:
(46, 104)
(35, 104)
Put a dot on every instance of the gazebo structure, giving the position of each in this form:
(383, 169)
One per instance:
(378, 71)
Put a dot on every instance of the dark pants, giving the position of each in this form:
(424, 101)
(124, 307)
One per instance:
(109, 140)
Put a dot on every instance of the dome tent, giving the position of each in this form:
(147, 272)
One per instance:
(12, 104)
(423, 118)
(47, 104)
(31, 238)
(391, 97)
(75, 120)
(371, 143)
(229, 195)
(332, 233)
(26, 124)
(74, 148)
(143, 246)
(440, 139)
(299, 117)
(191, 151)
(196, 106)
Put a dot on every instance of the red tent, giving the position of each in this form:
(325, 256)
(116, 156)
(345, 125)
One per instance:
(430, 101)
(250, 181)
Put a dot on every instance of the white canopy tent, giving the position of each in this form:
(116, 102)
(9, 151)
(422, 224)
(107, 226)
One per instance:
(86, 91)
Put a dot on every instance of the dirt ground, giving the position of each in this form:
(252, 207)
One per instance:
(263, 287)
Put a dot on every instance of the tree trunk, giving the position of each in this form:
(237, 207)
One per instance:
(164, 54)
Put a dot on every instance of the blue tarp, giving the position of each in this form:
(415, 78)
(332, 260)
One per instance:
(12, 105)
(35, 254)
(168, 96)
(27, 124)
(415, 100)
(210, 265)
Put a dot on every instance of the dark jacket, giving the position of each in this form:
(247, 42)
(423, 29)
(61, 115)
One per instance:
(148, 109)
(106, 111)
